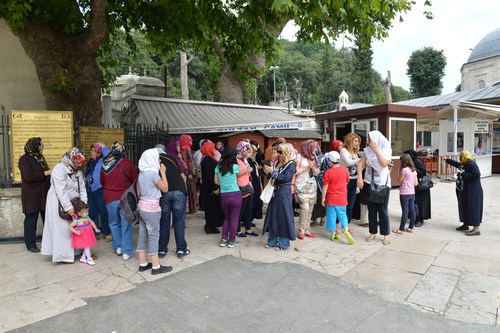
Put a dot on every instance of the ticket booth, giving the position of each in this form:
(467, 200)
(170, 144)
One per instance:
(469, 126)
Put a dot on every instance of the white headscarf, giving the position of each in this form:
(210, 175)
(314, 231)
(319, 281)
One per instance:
(149, 160)
(385, 149)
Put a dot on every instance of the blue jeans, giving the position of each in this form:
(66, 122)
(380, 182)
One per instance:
(407, 210)
(378, 216)
(284, 243)
(98, 211)
(120, 228)
(173, 210)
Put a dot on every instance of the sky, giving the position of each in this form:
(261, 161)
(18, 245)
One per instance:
(457, 27)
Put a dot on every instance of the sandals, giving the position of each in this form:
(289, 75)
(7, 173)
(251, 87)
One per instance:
(397, 232)
(268, 246)
(408, 230)
(280, 248)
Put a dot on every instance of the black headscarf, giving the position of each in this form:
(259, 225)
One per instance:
(32, 148)
(114, 157)
(419, 165)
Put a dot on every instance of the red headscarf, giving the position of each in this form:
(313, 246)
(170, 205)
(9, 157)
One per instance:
(186, 142)
(208, 149)
(336, 145)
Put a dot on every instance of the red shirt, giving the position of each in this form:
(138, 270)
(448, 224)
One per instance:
(116, 182)
(336, 179)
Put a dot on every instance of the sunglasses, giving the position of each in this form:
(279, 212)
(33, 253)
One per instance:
(280, 152)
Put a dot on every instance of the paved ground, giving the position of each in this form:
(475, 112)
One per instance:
(435, 279)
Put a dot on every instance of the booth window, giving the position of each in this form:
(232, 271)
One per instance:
(424, 138)
(402, 135)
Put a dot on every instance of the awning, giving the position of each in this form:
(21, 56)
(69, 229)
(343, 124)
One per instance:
(471, 110)
(181, 116)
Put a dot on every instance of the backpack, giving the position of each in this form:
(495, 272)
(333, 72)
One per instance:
(128, 204)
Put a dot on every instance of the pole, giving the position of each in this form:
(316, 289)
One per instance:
(274, 84)
(454, 104)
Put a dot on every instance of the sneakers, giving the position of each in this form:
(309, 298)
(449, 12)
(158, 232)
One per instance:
(162, 255)
(161, 270)
(90, 262)
(223, 243)
(118, 251)
(126, 257)
(83, 260)
(145, 268)
(182, 254)
(336, 236)
(349, 238)
(233, 244)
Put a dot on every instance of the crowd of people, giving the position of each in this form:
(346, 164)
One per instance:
(226, 183)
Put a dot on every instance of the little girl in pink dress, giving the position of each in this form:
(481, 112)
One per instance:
(82, 228)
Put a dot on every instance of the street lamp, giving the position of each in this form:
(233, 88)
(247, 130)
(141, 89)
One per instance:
(274, 69)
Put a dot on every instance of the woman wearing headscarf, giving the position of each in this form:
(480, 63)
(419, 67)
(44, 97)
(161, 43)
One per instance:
(337, 145)
(306, 187)
(279, 217)
(469, 193)
(95, 192)
(319, 212)
(209, 192)
(376, 159)
(187, 156)
(243, 151)
(174, 149)
(255, 161)
(151, 182)
(66, 183)
(422, 197)
(35, 177)
(117, 174)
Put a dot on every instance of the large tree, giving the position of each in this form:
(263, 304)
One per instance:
(426, 69)
(63, 37)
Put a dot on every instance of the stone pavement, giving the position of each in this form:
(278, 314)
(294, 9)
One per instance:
(435, 275)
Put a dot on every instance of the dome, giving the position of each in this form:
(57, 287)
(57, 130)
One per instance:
(150, 81)
(487, 47)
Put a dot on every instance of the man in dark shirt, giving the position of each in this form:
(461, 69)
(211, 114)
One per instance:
(173, 207)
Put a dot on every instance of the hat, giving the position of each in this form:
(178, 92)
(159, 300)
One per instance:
(333, 156)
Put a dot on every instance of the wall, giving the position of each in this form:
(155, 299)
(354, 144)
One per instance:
(487, 70)
(19, 84)
(11, 215)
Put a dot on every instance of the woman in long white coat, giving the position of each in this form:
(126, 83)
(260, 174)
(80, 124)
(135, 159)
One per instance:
(66, 183)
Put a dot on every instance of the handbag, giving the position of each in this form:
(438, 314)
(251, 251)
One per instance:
(247, 189)
(424, 183)
(378, 193)
(267, 193)
(62, 213)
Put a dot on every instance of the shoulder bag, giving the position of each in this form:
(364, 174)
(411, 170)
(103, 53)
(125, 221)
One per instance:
(378, 193)
(267, 193)
(424, 183)
(62, 213)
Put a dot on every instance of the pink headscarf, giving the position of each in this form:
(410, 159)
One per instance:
(308, 148)
(186, 141)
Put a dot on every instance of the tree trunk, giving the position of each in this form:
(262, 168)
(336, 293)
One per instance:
(184, 76)
(66, 65)
(229, 89)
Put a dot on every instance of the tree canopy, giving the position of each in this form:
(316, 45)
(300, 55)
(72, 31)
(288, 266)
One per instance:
(426, 69)
(63, 37)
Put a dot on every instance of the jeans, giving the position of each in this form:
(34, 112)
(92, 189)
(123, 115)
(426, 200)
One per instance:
(149, 232)
(231, 205)
(120, 228)
(30, 222)
(173, 210)
(284, 243)
(378, 211)
(407, 209)
(98, 211)
(351, 197)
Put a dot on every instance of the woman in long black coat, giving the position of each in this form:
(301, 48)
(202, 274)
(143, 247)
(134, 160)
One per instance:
(422, 197)
(35, 177)
(471, 194)
(214, 215)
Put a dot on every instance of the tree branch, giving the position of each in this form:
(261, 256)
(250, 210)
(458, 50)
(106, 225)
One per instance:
(98, 26)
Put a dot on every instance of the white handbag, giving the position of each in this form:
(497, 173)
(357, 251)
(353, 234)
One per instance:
(267, 193)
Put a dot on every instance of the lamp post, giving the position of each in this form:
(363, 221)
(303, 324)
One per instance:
(274, 69)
